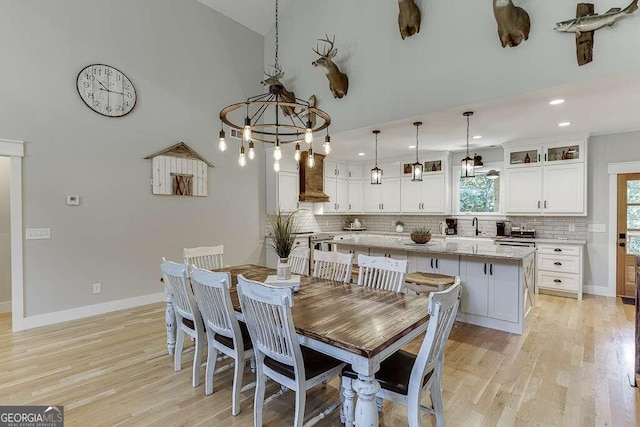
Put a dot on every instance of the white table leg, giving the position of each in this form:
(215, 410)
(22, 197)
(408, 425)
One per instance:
(366, 386)
(170, 318)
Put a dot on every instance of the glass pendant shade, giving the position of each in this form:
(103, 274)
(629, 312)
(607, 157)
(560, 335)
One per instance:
(467, 169)
(296, 155)
(416, 171)
(222, 143)
(252, 152)
(242, 160)
(376, 175)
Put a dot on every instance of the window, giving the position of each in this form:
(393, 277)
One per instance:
(477, 195)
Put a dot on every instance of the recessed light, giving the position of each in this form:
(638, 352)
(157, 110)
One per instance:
(563, 124)
(360, 154)
(556, 101)
(477, 136)
(412, 146)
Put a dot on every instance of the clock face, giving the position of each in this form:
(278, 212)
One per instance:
(106, 90)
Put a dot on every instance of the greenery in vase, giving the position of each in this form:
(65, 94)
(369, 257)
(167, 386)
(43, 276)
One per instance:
(421, 231)
(399, 223)
(283, 228)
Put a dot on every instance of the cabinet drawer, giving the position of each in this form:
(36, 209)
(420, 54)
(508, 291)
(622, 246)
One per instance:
(560, 263)
(558, 249)
(559, 281)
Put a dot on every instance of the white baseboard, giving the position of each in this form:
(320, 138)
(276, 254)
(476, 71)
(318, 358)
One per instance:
(90, 310)
(5, 307)
(598, 290)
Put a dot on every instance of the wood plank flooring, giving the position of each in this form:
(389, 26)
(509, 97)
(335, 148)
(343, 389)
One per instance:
(569, 369)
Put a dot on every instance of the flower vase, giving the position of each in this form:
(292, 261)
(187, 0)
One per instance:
(399, 228)
(283, 269)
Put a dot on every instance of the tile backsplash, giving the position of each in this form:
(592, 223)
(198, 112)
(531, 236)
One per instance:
(546, 227)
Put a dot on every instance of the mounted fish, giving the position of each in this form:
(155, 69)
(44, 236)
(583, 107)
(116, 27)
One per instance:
(594, 22)
(408, 18)
(277, 88)
(513, 22)
(338, 81)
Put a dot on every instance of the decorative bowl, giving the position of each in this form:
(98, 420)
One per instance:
(420, 238)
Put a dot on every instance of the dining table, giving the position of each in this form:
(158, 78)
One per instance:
(358, 325)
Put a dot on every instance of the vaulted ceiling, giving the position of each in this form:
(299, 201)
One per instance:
(257, 15)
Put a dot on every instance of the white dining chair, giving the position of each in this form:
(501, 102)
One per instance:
(188, 319)
(205, 257)
(299, 261)
(279, 356)
(405, 378)
(382, 273)
(225, 333)
(332, 265)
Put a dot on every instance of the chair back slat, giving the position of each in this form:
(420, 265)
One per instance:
(382, 273)
(442, 308)
(177, 283)
(299, 261)
(205, 257)
(267, 312)
(332, 265)
(211, 291)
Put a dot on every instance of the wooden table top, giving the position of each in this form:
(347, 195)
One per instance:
(348, 316)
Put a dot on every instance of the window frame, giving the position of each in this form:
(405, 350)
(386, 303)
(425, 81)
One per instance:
(455, 192)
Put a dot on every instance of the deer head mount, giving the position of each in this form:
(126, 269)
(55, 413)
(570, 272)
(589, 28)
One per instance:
(277, 88)
(513, 22)
(338, 81)
(408, 18)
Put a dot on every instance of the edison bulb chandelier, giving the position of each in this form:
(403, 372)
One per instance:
(294, 121)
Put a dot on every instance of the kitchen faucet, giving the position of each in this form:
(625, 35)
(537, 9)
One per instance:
(474, 221)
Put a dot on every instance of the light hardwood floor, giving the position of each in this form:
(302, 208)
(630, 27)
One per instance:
(569, 369)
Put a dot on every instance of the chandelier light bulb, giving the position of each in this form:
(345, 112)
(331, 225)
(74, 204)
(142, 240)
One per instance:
(308, 134)
(327, 145)
(252, 152)
(222, 144)
(296, 155)
(242, 160)
(246, 134)
(310, 160)
(276, 166)
(277, 153)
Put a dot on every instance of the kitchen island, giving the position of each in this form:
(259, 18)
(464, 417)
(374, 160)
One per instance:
(498, 281)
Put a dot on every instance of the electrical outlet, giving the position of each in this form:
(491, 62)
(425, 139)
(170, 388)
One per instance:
(97, 288)
(572, 227)
(37, 233)
(597, 228)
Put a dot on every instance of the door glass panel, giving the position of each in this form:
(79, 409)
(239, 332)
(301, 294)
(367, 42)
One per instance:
(633, 191)
(567, 152)
(633, 217)
(521, 157)
(633, 243)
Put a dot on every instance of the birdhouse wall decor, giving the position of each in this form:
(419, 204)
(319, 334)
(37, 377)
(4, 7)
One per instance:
(179, 171)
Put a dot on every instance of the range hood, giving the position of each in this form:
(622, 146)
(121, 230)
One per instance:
(312, 179)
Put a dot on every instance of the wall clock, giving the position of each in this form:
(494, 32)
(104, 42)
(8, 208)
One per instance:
(106, 90)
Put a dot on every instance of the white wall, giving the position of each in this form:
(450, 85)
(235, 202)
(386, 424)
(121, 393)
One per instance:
(5, 231)
(186, 62)
(605, 149)
(455, 60)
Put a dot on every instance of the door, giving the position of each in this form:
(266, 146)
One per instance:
(564, 189)
(390, 198)
(411, 195)
(356, 196)
(523, 190)
(475, 287)
(433, 189)
(330, 190)
(372, 197)
(504, 292)
(342, 195)
(287, 191)
(628, 232)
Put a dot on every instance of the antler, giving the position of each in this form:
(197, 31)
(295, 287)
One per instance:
(278, 74)
(327, 53)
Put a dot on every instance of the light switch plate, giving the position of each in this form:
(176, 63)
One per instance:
(73, 200)
(37, 233)
(597, 228)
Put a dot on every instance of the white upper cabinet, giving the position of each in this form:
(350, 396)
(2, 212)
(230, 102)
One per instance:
(411, 195)
(342, 195)
(390, 170)
(384, 197)
(282, 188)
(356, 195)
(426, 196)
(288, 191)
(336, 170)
(554, 184)
(356, 172)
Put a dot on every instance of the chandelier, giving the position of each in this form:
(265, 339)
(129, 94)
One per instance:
(276, 117)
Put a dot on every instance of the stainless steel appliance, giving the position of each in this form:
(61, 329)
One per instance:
(452, 226)
(503, 228)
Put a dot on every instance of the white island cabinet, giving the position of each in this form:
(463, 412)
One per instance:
(497, 281)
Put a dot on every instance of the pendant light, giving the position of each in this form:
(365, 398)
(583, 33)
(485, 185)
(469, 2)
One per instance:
(222, 143)
(467, 167)
(376, 172)
(416, 168)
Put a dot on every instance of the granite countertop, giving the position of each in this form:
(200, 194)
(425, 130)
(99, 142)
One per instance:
(439, 246)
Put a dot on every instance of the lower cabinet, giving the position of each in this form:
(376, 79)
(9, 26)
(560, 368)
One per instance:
(441, 264)
(490, 288)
